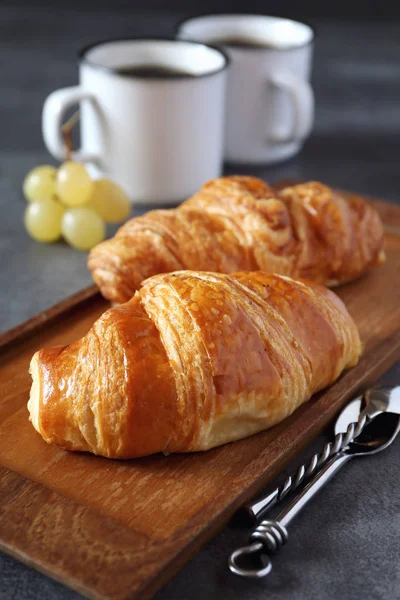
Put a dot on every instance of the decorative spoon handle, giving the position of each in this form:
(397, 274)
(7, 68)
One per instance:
(258, 508)
(270, 535)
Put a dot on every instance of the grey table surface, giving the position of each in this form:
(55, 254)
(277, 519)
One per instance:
(347, 544)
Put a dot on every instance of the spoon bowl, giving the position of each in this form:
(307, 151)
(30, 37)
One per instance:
(376, 436)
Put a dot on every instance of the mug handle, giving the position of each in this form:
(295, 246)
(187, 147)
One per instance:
(54, 108)
(301, 97)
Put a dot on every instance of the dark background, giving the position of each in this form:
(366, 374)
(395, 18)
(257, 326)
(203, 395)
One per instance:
(294, 8)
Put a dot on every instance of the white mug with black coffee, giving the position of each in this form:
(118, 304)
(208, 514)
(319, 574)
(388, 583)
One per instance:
(269, 100)
(151, 115)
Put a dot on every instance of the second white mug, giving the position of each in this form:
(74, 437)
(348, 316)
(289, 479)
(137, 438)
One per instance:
(269, 100)
(152, 115)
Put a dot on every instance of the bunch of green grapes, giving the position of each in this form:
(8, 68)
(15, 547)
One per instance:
(67, 202)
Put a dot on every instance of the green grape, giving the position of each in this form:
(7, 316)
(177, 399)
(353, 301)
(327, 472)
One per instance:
(73, 185)
(43, 220)
(83, 228)
(40, 184)
(110, 201)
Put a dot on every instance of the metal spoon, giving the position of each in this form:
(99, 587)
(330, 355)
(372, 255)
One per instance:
(350, 423)
(376, 400)
(270, 535)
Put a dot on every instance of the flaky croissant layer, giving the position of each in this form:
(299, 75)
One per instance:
(240, 223)
(192, 361)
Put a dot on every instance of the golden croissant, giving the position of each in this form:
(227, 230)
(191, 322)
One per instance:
(242, 224)
(192, 361)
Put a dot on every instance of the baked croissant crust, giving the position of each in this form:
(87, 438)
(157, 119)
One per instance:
(241, 223)
(192, 361)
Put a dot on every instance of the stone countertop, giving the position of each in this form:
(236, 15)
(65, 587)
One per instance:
(347, 542)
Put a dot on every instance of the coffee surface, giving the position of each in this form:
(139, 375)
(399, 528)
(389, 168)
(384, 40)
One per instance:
(239, 42)
(153, 71)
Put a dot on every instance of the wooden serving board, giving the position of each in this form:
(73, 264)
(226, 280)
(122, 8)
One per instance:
(119, 530)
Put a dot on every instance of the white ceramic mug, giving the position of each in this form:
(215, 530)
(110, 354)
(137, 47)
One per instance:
(269, 101)
(159, 137)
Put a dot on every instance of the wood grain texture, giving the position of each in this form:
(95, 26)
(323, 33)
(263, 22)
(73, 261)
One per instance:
(119, 530)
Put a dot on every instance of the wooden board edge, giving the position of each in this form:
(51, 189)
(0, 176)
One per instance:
(40, 320)
(47, 522)
(24, 558)
(12, 543)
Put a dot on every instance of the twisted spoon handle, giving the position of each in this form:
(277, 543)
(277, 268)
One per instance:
(257, 509)
(270, 535)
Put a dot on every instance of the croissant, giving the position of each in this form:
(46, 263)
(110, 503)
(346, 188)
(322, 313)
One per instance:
(192, 361)
(241, 223)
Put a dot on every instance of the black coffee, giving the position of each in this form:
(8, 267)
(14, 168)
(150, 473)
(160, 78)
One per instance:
(156, 71)
(239, 42)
